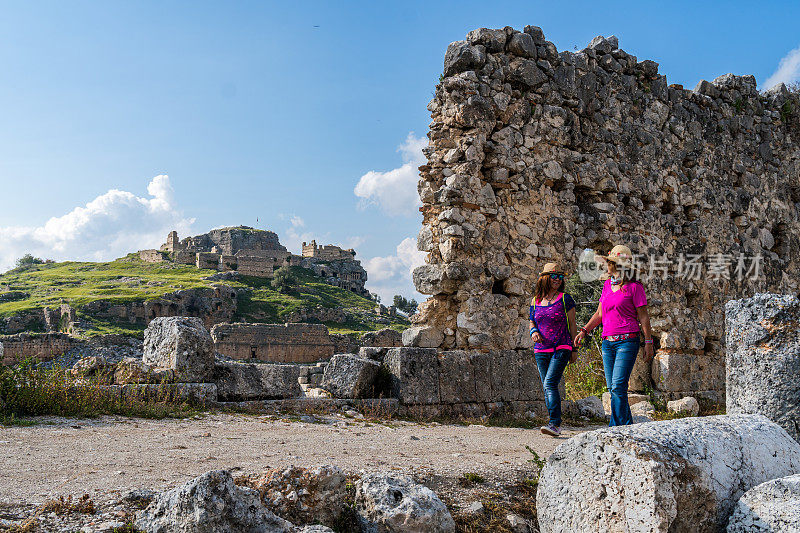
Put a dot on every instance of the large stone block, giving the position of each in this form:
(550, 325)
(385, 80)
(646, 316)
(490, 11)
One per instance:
(773, 506)
(350, 376)
(422, 337)
(763, 358)
(382, 338)
(256, 381)
(415, 375)
(181, 344)
(457, 382)
(211, 502)
(676, 476)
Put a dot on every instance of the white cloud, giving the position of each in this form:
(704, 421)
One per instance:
(110, 226)
(788, 70)
(297, 222)
(391, 275)
(395, 191)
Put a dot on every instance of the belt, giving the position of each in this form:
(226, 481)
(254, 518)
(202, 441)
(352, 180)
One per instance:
(621, 337)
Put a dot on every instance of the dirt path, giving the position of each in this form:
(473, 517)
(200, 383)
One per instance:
(110, 454)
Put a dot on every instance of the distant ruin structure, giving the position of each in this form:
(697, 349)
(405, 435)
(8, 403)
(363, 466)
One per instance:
(536, 155)
(338, 266)
(327, 253)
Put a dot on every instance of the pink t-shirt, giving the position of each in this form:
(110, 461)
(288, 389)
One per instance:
(619, 308)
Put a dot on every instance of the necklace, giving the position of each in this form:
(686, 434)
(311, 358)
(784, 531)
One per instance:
(549, 298)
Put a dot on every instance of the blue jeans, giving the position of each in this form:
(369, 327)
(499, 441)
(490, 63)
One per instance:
(551, 368)
(618, 360)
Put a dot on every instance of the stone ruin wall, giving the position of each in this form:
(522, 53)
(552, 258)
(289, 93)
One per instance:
(17, 348)
(275, 343)
(535, 155)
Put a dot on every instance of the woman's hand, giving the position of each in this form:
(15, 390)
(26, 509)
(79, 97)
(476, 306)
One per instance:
(649, 353)
(537, 337)
(579, 338)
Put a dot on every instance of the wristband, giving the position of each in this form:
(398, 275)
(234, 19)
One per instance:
(583, 329)
(533, 330)
(648, 341)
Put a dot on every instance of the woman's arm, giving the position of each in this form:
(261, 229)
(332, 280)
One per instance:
(535, 335)
(644, 319)
(593, 322)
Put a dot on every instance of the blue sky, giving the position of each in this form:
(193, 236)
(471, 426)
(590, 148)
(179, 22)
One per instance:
(275, 111)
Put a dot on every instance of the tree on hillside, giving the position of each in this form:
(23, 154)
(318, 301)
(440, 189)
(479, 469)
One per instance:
(27, 260)
(406, 306)
(283, 280)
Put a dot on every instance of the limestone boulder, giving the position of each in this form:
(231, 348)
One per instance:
(591, 407)
(415, 375)
(351, 376)
(210, 503)
(133, 370)
(256, 381)
(395, 503)
(461, 56)
(770, 507)
(422, 337)
(92, 366)
(181, 344)
(633, 399)
(687, 405)
(674, 476)
(763, 358)
(382, 338)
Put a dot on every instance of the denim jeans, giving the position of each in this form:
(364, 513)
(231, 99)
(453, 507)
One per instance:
(551, 368)
(618, 360)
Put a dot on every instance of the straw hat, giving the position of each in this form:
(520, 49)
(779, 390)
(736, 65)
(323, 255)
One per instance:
(551, 268)
(620, 255)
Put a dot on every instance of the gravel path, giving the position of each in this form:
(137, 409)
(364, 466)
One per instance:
(102, 456)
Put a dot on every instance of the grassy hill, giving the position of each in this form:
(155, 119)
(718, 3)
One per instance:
(34, 287)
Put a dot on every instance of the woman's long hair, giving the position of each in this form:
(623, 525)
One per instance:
(543, 287)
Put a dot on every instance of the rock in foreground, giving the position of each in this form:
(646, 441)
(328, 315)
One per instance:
(181, 344)
(763, 358)
(677, 476)
(394, 503)
(351, 376)
(771, 506)
(210, 503)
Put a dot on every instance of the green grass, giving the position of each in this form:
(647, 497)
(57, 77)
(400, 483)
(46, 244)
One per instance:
(27, 390)
(129, 280)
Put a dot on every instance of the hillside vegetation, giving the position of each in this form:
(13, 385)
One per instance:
(36, 286)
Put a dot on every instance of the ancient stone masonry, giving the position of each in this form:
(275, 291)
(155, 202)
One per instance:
(339, 267)
(213, 305)
(535, 155)
(278, 343)
(45, 346)
(251, 252)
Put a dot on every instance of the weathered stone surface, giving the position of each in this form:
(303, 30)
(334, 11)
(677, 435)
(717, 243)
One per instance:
(303, 496)
(461, 56)
(88, 366)
(645, 409)
(591, 407)
(275, 343)
(181, 344)
(351, 376)
(687, 405)
(133, 370)
(422, 337)
(603, 142)
(633, 399)
(415, 375)
(394, 503)
(773, 506)
(210, 503)
(382, 338)
(679, 476)
(763, 358)
(256, 381)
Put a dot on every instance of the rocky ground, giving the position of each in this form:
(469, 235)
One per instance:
(109, 457)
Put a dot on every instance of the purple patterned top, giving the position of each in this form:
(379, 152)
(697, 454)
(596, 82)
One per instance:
(551, 321)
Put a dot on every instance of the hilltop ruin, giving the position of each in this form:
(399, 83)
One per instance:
(258, 253)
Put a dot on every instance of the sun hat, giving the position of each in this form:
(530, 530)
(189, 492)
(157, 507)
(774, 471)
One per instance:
(620, 255)
(551, 268)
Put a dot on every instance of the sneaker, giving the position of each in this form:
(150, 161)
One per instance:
(551, 430)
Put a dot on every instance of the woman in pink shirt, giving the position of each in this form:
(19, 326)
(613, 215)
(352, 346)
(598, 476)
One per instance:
(622, 310)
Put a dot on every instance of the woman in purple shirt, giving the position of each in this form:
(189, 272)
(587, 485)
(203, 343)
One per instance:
(622, 309)
(552, 322)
